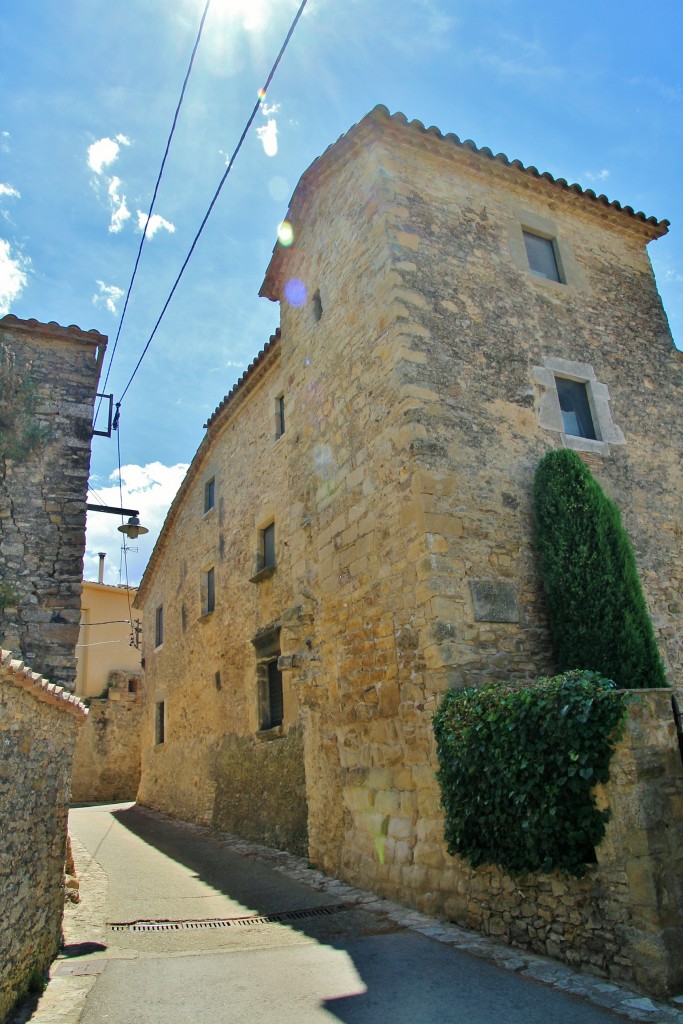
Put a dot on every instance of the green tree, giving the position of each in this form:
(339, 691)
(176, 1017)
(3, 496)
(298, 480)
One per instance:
(597, 611)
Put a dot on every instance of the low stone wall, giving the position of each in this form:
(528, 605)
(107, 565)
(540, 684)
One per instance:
(38, 725)
(261, 791)
(623, 920)
(106, 765)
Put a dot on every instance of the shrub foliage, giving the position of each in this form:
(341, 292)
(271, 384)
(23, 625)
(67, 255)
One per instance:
(596, 608)
(517, 768)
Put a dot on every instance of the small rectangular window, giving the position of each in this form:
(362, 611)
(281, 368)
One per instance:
(159, 722)
(275, 712)
(268, 546)
(575, 408)
(209, 494)
(541, 255)
(208, 591)
(280, 416)
(159, 626)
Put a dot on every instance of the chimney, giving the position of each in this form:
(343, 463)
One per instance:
(100, 574)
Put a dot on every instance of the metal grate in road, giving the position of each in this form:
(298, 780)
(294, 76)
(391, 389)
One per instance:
(224, 922)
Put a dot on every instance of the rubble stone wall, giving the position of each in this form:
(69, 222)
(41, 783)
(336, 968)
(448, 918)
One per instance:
(43, 493)
(38, 725)
(106, 764)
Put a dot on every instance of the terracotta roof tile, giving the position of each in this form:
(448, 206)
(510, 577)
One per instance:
(15, 673)
(52, 328)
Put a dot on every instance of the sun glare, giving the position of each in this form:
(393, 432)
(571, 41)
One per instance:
(251, 14)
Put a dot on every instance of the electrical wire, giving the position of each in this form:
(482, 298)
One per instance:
(154, 196)
(261, 98)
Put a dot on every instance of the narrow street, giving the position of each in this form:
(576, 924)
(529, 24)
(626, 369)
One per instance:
(178, 924)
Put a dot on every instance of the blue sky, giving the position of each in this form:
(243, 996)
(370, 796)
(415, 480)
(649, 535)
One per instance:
(592, 92)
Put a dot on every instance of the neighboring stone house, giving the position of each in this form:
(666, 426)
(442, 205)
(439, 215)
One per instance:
(354, 533)
(38, 725)
(49, 378)
(106, 764)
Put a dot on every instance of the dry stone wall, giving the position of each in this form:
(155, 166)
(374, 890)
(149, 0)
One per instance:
(106, 764)
(43, 491)
(38, 724)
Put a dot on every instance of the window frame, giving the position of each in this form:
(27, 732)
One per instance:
(209, 495)
(280, 422)
(160, 723)
(265, 565)
(159, 627)
(552, 250)
(207, 588)
(270, 696)
(550, 414)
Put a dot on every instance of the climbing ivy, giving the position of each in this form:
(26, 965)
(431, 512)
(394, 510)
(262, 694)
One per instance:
(517, 769)
(20, 432)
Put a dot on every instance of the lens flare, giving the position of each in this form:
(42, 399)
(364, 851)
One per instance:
(285, 234)
(262, 95)
(295, 292)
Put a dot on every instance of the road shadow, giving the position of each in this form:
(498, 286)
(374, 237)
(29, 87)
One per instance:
(395, 973)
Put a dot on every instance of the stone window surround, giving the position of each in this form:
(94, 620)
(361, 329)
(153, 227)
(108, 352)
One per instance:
(267, 650)
(569, 270)
(159, 627)
(209, 479)
(207, 612)
(550, 414)
(160, 704)
(279, 415)
(262, 570)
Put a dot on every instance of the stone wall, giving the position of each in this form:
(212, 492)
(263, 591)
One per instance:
(204, 674)
(38, 724)
(43, 492)
(106, 764)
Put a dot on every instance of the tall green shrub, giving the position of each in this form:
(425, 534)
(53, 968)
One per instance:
(597, 611)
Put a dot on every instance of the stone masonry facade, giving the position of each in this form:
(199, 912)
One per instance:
(419, 380)
(43, 492)
(38, 726)
(106, 763)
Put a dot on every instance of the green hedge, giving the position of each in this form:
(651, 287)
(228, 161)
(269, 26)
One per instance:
(517, 766)
(597, 612)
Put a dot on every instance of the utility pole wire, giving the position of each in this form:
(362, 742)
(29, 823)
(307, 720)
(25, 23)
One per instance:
(154, 196)
(261, 97)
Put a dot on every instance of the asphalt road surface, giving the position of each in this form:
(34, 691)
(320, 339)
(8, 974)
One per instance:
(175, 927)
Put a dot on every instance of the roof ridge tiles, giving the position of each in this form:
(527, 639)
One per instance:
(14, 672)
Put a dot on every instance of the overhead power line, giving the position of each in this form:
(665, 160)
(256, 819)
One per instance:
(154, 196)
(261, 97)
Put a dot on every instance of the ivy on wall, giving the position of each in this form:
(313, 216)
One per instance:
(20, 432)
(517, 769)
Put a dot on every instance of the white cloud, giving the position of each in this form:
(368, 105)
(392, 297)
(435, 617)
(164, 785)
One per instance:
(156, 223)
(108, 296)
(269, 108)
(104, 152)
(268, 136)
(7, 190)
(150, 489)
(597, 175)
(13, 276)
(120, 212)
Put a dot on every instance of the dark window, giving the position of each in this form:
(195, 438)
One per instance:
(217, 680)
(132, 686)
(575, 407)
(269, 679)
(209, 494)
(275, 711)
(317, 306)
(159, 722)
(541, 255)
(280, 415)
(209, 591)
(268, 546)
(159, 626)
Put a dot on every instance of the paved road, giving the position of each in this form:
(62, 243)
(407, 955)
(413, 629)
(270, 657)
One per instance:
(160, 937)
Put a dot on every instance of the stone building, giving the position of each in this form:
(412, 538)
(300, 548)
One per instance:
(49, 378)
(353, 534)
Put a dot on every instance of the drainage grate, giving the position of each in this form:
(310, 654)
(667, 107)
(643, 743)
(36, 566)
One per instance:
(224, 922)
